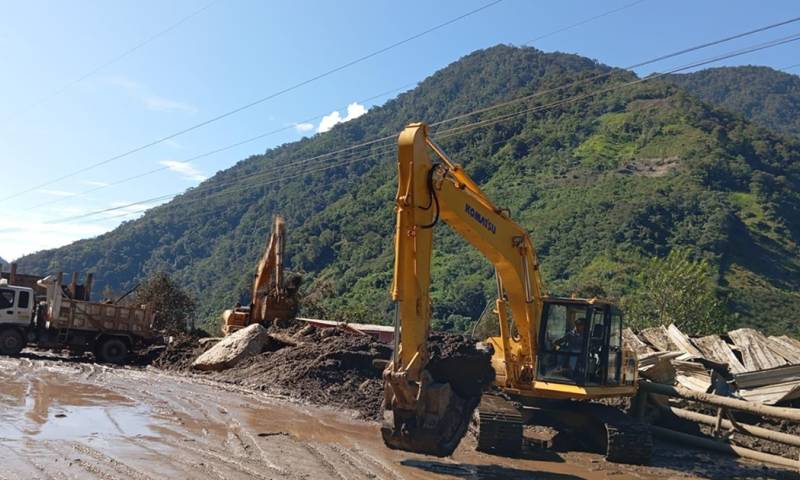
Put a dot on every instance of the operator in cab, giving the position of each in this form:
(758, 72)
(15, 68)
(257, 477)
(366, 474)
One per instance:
(573, 340)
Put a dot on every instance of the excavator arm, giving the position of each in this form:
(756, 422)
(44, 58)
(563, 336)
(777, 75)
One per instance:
(270, 298)
(269, 274)
(421, 414)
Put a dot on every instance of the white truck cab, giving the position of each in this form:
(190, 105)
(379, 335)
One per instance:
(16, 304)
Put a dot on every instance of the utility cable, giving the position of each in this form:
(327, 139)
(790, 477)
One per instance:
(255, 102)
(584, 22)
(461, 129)
(112, 61)
(212, 152)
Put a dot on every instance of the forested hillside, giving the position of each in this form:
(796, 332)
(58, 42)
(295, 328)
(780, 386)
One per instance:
(603, 184)
(766, 96)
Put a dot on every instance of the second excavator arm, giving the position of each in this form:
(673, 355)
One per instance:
(424, 415)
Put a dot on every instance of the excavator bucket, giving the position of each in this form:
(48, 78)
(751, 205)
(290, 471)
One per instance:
(434, 419)
(432, 415)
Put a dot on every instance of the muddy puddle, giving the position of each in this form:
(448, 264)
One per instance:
(43, 406)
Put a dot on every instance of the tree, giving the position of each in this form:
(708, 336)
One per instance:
(676, 289)
(173, 306)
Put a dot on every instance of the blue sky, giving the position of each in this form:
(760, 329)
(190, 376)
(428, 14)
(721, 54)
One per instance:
(235, 51)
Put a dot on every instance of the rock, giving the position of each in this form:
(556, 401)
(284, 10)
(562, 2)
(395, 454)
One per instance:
(232, 349)
(208, 340)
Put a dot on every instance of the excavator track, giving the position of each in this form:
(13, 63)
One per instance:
(498, 425)
(627, 440)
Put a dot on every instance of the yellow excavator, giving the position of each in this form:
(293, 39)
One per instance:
(551, 353)
(273, 298)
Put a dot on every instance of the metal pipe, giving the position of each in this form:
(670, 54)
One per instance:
(439, 152)
(686, 439)
(792, 414)
(753, 430)
(395, 352)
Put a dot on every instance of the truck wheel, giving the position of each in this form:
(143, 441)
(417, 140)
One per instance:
(112, 350)
(11, 342)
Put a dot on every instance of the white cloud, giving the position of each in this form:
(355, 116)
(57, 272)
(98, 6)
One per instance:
(186, 169)
(174, 144)
(304, 127)
(150, 100)
(21, 235)
(57, 193)
(354, 110)
(161, 104)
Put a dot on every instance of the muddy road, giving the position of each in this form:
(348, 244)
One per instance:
(62, 419)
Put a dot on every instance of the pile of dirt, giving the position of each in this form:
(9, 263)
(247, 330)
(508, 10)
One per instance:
(180, 353)
(329, 367)
(334, 366)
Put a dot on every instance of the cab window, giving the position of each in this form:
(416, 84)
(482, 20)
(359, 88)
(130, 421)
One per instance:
(563, 353)
(6, 298)
(24, 299)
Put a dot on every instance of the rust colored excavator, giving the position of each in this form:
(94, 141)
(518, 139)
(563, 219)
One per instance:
(551, 355)
(273, 298)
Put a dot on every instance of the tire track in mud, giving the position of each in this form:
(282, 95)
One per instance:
(325, 464)
(383, 466)
(26, 460)
(190, 466)
(119, 467)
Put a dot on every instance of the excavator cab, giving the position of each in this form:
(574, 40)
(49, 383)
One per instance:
(580, 342)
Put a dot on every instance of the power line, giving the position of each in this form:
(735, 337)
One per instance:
(459, 129)
(492, 107)
(110, 62)
(258, 101)
(736, 53)
(502, 117)
(215, 151)
(612, 71)
(583, 22)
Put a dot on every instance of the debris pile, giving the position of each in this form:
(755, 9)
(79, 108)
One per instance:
(743, 363)
(331, 366)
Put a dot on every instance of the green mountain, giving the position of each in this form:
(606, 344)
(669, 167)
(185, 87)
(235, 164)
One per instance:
(603, 183)
(766, 96)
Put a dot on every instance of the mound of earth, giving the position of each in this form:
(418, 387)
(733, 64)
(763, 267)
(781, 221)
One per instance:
(334, 366)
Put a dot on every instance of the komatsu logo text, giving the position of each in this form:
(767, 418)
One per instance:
(487, 224)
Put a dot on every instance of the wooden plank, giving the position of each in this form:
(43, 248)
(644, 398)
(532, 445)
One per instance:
(755, 350)
(682, 341)
(786, 347)
(692, 376)
(630, 340)
(787, 373)
(715, 348)
(657, 337)
(772, 394)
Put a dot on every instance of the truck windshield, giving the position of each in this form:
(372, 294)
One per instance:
(6, 298)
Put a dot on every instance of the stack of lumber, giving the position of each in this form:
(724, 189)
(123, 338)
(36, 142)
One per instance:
(756, 367)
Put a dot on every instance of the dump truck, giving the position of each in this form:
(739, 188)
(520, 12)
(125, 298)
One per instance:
(552, 354)
(57, 321)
